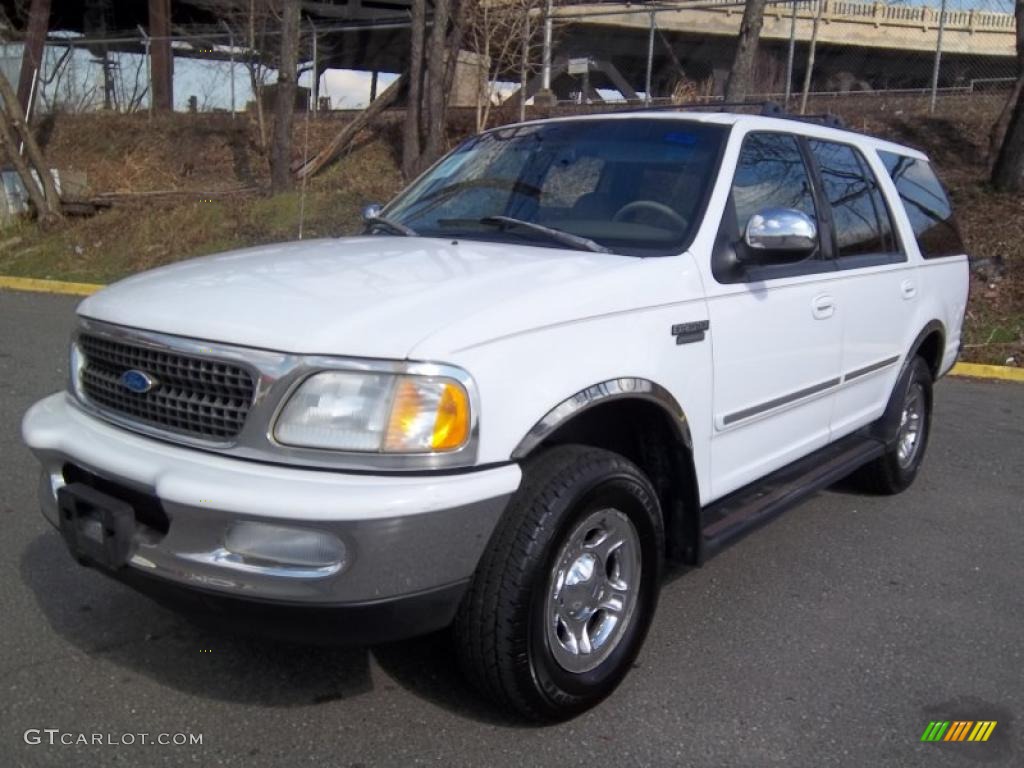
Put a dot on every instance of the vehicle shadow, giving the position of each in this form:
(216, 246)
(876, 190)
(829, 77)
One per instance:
(106, 620)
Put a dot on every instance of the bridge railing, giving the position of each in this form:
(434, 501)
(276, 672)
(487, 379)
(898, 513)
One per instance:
(922, 16)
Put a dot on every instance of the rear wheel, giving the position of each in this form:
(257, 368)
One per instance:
(564, 595)
(907, 420)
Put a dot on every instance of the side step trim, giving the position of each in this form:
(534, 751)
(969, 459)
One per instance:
(739, 513)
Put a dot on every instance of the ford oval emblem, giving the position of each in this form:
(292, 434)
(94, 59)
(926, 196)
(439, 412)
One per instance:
(136, 381)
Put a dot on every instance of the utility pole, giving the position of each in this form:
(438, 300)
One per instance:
(161, 55)
(545, 96)
(790, 54)
(650, 61)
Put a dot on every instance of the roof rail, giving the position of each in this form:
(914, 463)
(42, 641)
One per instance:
(767, 109)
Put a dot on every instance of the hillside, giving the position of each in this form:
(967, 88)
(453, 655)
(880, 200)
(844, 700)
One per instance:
(186, 185)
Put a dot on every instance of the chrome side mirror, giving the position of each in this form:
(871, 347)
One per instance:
(372, 211)
(781, 230)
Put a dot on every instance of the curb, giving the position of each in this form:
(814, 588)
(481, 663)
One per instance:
(971, 370)
(48, 286)
(979, 371)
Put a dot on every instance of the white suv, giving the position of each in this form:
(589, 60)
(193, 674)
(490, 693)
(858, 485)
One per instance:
(572, 349)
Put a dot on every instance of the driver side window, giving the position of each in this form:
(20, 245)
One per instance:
(770, 173)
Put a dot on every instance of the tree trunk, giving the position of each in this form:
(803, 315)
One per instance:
(47, 201)
(995, 137)
(1008, 171)
(998, 132)
(352, 129)
(436, 76)
(411, 136)
(284, 108)
(741, 78)
(254, 78)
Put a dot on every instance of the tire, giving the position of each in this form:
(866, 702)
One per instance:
(547, 567)
(907, 417)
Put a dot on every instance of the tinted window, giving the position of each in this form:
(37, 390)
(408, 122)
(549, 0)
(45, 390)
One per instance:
(635, 186)
(859, 215)
(770, 173)
(927, 205)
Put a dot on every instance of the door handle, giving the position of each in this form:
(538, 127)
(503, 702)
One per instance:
(908, 289)
(823, 306)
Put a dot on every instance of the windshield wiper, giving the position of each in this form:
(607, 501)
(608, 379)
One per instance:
(573, 241)
(394, 227)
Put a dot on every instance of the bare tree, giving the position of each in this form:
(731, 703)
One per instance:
(131, 96)
(15, 133)
(741, 77)
(501, 34)
(411, 145)
(1008, 131)
(430, 76)
(255, 22)
(284, 108)
(436, 94)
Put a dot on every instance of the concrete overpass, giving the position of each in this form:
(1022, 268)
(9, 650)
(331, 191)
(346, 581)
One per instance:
(861, 45)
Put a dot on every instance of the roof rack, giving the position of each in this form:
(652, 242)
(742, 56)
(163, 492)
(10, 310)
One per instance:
(767, 109)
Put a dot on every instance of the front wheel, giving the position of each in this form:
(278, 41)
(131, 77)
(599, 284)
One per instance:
(563, 597)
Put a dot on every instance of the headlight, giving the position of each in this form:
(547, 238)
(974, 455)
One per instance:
(376, 412)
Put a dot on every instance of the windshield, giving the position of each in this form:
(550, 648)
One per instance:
(636, 186)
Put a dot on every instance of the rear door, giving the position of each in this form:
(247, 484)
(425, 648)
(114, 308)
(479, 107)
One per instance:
(876, 290)
(775, 332)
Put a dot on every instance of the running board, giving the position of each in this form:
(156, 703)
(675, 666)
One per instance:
(739, 513)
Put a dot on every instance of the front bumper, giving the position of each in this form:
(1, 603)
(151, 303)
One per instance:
(403, 535)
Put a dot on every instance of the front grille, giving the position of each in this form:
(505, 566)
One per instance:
(195, 396)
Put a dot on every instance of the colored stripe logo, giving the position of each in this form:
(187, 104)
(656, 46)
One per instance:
(958, 730)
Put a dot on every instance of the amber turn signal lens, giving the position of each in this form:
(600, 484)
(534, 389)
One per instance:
(451, 427)
(428, 414)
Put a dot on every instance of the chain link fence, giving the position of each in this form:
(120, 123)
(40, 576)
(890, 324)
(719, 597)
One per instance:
(811, 52)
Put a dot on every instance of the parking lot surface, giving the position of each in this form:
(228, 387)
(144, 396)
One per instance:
(833, 636)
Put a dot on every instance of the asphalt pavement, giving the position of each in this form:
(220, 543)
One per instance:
(833, 636)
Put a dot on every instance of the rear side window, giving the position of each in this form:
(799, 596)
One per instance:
(859, 214)
(927, 205)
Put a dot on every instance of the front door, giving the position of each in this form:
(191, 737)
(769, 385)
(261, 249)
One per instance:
(775, 329)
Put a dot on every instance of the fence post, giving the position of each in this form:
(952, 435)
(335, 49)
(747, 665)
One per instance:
(938, 58)
(315, 90)
(650, 61)
(810, 56)
(525, 65)
(545, 80)
(790, 54)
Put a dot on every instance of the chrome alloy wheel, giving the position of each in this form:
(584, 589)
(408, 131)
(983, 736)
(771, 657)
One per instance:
(593, 591)
(911, 425)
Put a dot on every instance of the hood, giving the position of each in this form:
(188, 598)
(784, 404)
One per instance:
(364, 297)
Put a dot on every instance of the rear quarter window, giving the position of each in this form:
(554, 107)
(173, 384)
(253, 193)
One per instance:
(927, 205)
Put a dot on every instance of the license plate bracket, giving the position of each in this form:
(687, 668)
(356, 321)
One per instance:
(97, 528)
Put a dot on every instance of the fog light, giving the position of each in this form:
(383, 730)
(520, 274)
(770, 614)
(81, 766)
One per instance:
(278, 545)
